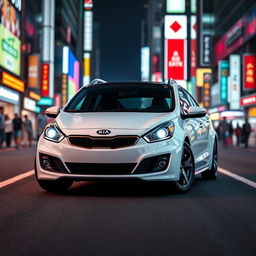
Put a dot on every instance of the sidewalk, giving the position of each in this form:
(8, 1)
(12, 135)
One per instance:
(13, 148)
(240, 160)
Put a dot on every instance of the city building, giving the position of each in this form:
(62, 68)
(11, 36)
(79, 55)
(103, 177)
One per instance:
(233, 89)
(41, 54)
(12, 75)
(171, 42)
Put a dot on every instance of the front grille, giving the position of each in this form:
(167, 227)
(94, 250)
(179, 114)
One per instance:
(101, 169)
(103, 142)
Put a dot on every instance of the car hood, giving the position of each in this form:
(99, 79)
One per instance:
(115, 120)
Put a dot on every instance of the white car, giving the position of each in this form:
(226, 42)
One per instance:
(128, 131)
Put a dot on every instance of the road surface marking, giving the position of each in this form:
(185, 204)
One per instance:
(237, 177)
(16, 178)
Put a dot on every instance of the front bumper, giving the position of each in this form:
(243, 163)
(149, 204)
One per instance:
(68, 153)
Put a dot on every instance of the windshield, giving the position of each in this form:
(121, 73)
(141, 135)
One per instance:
(122, 98)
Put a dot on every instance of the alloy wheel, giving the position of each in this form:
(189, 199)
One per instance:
(186, 169)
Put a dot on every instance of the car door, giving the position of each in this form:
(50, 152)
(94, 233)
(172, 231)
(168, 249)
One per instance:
(204, 124)
(193, 126)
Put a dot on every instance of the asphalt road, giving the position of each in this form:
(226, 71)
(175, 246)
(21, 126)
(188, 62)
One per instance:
(213, 218)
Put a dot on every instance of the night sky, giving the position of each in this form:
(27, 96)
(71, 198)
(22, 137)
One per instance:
(120, 37)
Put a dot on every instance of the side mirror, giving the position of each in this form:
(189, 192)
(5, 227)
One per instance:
(195, 112)
(52, 111)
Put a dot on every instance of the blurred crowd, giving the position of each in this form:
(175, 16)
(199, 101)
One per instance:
(19, 131)
(227, 133)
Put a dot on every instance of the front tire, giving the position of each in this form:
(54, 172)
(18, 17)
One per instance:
(212, 173)
(187, 171)
(59, 186)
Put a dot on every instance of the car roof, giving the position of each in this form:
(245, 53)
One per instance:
(138, 83)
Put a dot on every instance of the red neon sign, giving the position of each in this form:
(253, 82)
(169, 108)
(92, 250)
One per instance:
(175, 59)
(45, 80)
(193, 58)
(249, 71)
(88, 4)
(249, 100)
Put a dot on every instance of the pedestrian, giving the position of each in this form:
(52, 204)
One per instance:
(219, 132)
(2, 133)
(231, 132)
(28, 130)
(224, 131)
(246, 130)
(238, 133)
(8, 131)
(17, 126)
(41, 123)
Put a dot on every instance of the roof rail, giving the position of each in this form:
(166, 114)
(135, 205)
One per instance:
(171, 82)
(97, 81)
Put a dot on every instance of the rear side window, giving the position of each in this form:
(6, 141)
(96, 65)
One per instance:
(186, 100)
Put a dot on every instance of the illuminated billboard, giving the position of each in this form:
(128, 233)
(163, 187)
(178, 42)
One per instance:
(223, 69)
(10, 16)
(33, 70)
(145, 65)
(9, 51)
(9, 36)
(175, 6)
(175, 56)
(45, 79)
(71, 67)
(235, 81)
(87, 68)
(175, 27)
(249, 71)
(13, 82)
(88, 4)
(175, 31)
(88, 30)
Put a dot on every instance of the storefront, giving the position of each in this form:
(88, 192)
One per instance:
(236, 49)
(29, 109)
(218, 113)
(10, 100)
(10, 93)
(249, 105)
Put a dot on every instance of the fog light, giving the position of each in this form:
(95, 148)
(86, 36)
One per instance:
(162, 164)
(46, 163)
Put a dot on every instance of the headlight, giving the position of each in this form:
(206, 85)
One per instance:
(53, 133)
(162, 132)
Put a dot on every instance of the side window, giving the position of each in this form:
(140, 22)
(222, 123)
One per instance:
(191, 100)
(184, 103)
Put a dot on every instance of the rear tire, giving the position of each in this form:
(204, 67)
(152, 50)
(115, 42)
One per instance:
(212, 173)
(187, 171)
(53, 185)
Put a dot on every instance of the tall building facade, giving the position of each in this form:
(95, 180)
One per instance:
(171, 41)
(12, 73)
(233, 63)
(41, 54)
(209, 48)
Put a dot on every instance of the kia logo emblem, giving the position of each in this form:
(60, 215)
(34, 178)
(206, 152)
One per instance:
(103, 132)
